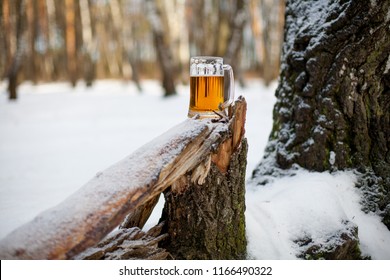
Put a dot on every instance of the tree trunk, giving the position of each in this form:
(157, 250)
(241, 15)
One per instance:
(70, 35)
(236, 37)
(164, 54)
(51, 21)
(267, 19)
(46, 61)
(333, 106)
(88, 41)
(117, 35)
(16, 50)
(31, 15)
(204, 210)
(5, 24)
(134, 72)
(131, 64)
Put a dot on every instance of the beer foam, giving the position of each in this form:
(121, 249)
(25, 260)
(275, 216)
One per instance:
(206, 66)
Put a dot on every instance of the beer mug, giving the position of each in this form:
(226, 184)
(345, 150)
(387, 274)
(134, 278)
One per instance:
(207, 94)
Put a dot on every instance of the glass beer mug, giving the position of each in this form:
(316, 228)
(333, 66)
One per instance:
(207, 94)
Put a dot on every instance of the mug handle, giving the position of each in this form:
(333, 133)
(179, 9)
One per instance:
(230, 96)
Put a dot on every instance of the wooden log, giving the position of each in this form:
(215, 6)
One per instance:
(126, 188)
(204, 210)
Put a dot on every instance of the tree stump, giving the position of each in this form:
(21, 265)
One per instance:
(204, 209)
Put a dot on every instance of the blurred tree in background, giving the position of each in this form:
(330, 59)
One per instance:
(51, 40)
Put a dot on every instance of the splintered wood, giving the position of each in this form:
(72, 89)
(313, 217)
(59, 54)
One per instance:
(128, 244)
(126, 191)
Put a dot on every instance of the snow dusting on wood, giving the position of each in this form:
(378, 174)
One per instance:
(100, 205)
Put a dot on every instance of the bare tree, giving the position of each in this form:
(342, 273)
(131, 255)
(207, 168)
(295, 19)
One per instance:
(13, 23)
(267, 20)
(236, 35)
(89, 44)
(129, 25)
(32, 34)
(6, 35)
(177, 37)
(70, 35)
(51, 21)
(164, 54)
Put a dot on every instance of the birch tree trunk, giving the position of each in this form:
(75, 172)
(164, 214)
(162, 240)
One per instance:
(70, 35)
(6, 34)
(46, 61)
(51, 19)
(333, 106)
(31, 13)
(267, 20)
(236, 37)
(117, 20)
(178, 36)
(89, 45)
(257, 31)
(16, 33)
(130, 65)
(164, 55)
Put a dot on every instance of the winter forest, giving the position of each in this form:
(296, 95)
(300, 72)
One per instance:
(131, 40)
(100, 157)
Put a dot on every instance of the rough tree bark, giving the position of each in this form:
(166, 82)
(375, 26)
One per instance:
(333, 98)
(204, 210)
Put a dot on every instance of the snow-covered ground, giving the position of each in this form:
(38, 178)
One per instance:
(55, 138)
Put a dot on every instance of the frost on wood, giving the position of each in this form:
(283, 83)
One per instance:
(333, 106)
(99, 206)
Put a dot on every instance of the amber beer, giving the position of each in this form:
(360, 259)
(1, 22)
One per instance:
(207, 87)
(206, 93)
